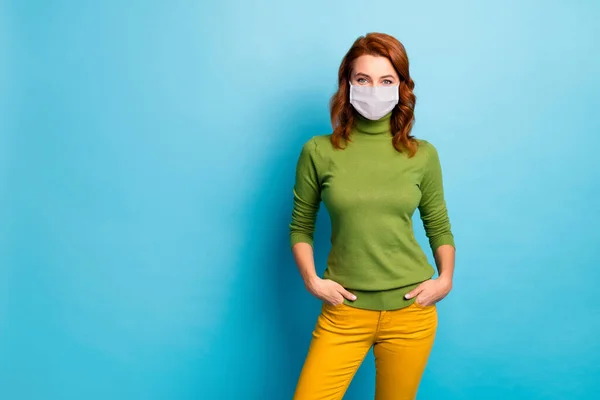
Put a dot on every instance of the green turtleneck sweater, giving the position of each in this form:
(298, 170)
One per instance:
(371, 192)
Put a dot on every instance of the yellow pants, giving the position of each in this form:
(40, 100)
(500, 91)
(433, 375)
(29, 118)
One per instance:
(401, 339)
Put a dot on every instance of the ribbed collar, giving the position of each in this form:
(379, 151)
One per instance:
(369, 127)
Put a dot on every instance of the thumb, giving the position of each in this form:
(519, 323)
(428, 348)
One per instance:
(347, 294)
(413, 292)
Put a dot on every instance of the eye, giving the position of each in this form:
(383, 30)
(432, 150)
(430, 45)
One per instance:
(387, 82)
(361, 80)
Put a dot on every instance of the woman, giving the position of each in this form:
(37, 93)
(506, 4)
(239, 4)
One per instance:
(371, 174)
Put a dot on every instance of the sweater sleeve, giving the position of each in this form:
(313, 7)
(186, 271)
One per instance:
(432, 207)
(307, 196)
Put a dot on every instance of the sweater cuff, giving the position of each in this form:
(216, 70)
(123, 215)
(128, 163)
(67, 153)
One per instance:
(298, 237)
(445, 239)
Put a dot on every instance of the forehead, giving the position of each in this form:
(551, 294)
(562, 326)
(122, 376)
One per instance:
(373, 66)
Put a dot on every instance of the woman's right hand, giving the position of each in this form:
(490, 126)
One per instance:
(329, 291)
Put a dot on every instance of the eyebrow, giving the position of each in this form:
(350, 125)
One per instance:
(365, 75)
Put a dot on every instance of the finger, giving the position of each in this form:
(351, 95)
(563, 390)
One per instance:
(413, 293)
(422, 302)
(335, 301)
(347, 294)
(330, 300)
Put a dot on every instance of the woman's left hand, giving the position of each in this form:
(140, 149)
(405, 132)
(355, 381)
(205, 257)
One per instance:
(430, 291)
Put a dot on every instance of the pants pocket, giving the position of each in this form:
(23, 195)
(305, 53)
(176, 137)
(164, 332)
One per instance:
(416, 304)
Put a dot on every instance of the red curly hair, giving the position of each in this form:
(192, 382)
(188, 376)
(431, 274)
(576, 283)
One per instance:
(343, 113)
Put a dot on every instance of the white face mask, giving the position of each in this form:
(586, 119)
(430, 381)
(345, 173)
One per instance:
(374, 102)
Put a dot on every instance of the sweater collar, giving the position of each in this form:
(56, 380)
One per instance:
(369, 127)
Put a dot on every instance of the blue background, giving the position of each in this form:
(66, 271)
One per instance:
(147, 159)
